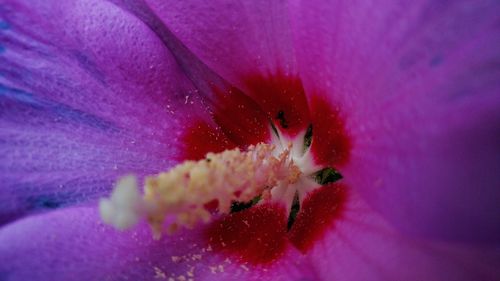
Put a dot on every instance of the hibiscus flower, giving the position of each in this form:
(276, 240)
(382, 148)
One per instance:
(390, 110)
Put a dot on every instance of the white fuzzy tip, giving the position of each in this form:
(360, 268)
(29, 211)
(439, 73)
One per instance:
(125, 207)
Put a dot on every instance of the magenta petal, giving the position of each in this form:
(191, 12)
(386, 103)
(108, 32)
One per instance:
(363, 246)
(418, 84)
(73, 244)
(88, 93)
(234, 38)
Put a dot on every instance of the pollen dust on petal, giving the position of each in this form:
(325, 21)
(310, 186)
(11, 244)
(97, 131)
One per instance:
(256, 235)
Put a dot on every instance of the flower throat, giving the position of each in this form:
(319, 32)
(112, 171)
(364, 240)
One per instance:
(277, 190)
(232, 180)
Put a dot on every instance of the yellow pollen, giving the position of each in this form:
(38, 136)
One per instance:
(232, 175)
(179, 198)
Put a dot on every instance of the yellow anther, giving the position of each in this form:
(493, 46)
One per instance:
(180, 195)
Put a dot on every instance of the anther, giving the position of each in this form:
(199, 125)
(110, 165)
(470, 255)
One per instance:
(178, 198)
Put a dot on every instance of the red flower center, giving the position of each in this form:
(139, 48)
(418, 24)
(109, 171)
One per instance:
(260, 234)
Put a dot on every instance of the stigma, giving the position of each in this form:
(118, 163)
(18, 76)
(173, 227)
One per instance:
(182, 197)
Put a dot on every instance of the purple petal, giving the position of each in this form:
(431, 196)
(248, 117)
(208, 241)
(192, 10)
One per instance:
(363, 246)
(72, 244)
(418, 83)
(87, 93)
(234, 39)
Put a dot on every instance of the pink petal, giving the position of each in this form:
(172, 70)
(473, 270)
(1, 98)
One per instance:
(418, 84)
(364, 246)
(88, 93)
(223, 36)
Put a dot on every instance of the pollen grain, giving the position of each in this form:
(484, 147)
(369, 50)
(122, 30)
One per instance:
(180, 197)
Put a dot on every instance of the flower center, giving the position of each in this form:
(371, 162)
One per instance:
(276, 190)
(279, 172)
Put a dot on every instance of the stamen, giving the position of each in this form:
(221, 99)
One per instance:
(181, 195)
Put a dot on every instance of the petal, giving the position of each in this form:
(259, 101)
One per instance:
(82, 103)
(249, 45)
(201, 138)
(256, 235)
(282, 97)
(320, 210)
(72, 244)
(363, 246)
(331, 145)
(418, 83)
(233, 38)
(238, 116)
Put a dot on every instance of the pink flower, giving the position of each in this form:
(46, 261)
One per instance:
(403, 99)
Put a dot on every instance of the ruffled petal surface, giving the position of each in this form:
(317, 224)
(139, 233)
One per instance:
(88, 93)
(72, 244)
(417, 83)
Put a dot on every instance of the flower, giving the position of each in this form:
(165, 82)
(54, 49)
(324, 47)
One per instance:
(92, 90)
